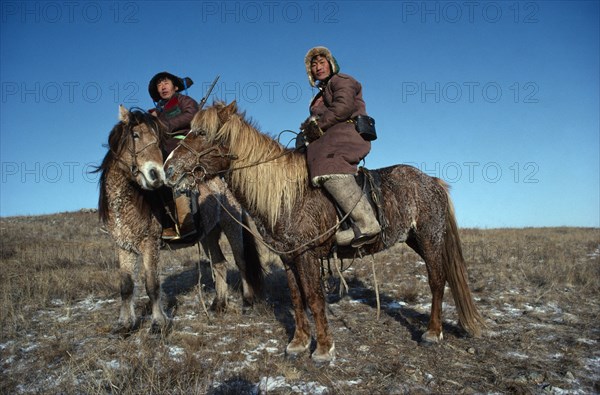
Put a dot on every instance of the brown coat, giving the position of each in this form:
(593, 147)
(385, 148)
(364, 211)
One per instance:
(341, 148)
(176, 114)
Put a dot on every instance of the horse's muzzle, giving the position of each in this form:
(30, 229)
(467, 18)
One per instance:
(152, 176)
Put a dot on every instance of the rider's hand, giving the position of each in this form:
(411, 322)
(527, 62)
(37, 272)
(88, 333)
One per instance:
(311, 129)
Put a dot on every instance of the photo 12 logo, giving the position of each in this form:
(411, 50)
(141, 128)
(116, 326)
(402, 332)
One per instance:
(88, 12)
(470, 11)
(489, 172)
(48, 172)
(269, 11)
(69, 92)
(255, 91)
(468, 91)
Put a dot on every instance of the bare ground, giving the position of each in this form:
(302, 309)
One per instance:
(538, 290)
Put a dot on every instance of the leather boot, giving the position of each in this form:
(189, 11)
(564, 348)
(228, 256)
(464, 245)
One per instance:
(169, 231)
(351, 199)
(185, 220)
(185, 217)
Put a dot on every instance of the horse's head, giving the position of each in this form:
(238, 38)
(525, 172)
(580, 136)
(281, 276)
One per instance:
(135, 143)
(200, 156)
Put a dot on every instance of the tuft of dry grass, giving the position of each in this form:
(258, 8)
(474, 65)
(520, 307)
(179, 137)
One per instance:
(549, 259)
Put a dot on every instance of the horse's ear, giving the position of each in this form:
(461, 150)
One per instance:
(226, 112)
(232, 107)
(123, 114)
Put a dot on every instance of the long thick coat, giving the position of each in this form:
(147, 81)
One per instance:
(177, 114)
(341, 148)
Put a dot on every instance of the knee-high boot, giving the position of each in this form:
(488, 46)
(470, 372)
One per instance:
(351, 199)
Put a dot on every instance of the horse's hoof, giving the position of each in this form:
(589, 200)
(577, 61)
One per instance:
(121, 330)
(247, 308)
(160, 329)
(429, 338)
(218, 306)
(126, 327)
(320, 357)
(295, 348)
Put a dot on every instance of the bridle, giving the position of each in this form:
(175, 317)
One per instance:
(205, 173)
(134, 166)
(197, 160)
(198, 179)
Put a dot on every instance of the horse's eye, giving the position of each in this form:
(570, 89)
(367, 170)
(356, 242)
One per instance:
(136, 135)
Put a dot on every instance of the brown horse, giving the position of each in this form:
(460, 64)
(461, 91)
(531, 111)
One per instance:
(300, 221)
(131, 208)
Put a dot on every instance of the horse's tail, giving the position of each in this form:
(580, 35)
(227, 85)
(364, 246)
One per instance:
(469, 317)
(254, 269)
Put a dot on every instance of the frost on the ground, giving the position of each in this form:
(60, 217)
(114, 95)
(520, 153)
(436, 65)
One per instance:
(267, 384)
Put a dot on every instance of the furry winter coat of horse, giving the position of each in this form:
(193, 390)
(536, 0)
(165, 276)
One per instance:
(341, 148)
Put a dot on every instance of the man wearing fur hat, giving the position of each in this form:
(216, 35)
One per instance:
(334, 146)
(175, 111)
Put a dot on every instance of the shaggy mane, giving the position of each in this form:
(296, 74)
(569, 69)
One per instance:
(272, 177)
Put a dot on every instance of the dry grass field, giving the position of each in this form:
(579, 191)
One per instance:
(538, 289)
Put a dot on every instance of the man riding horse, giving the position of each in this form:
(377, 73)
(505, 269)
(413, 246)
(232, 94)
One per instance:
(336, 143)
(175, 111)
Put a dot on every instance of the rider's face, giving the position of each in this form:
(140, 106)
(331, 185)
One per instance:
(320, 68)
(166, 89)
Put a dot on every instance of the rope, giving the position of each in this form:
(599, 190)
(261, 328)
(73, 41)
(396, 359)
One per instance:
(198, 155)
(272, 249)
(339, 272)
(376, 286)
(200, 284)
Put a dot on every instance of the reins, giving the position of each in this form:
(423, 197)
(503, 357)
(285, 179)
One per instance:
(198, 166)
(207, 151)
(272, 249)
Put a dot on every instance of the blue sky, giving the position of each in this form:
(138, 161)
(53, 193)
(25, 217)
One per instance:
(501, 99)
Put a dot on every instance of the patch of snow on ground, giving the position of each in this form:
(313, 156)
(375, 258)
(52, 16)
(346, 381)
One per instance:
(517, 355)
(396, 305)
(267, 384)
(587, 341)
(422, 278)
(309, 388)
(7, 344)
(251, 356)
(593, 364)
(176, 353)
(114, 364)
(90, 305)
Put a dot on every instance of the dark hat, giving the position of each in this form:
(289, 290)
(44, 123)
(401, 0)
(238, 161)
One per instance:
(180, 83)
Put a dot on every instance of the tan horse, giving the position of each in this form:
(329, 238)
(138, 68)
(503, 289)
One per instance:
(131, 208)
(300, 221)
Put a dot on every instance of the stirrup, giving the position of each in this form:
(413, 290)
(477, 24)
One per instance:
(170, 234)
(364, 239)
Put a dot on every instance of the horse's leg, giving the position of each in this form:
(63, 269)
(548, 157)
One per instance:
(219, 266)
(150, 255)
(301, 340)
(235, 235)
(127, 261)
(431, 253)
(310, 278)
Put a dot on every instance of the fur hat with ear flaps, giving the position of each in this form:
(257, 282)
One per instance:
(180, 83)
(316, 51)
